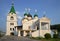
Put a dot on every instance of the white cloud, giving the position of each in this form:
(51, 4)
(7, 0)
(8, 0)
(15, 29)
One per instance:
(19, 17)
(17, 12)
(20, 13)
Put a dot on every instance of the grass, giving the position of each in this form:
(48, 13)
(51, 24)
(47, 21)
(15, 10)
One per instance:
(44, 39)
(50, 39)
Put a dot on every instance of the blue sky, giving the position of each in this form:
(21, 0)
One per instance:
(50, 7)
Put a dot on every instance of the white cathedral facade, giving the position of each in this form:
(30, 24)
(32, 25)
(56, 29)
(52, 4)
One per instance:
(35, 27)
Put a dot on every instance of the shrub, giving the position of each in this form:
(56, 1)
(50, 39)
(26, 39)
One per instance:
(47, 35)
(1, 35)
(55, 35)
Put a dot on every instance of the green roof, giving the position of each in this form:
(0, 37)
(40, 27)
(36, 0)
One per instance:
(12, 9)
(25, 14)
(29, 15)
(35, 15)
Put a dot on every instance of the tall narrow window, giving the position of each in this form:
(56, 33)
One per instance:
(13, 29)
(12, 18)
(10, 28)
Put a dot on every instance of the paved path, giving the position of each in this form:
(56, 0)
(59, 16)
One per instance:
(15, 38)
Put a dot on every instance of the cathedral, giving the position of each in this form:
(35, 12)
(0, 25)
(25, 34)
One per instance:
(33, 27)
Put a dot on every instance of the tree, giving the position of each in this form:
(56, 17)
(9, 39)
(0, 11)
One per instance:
(55, 35)
(47, 35)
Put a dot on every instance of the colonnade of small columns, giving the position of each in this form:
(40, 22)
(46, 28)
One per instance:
(24, 32)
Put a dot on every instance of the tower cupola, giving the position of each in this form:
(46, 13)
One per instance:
(25, 15)
(29, 15)
(12, 10)
(35, 16)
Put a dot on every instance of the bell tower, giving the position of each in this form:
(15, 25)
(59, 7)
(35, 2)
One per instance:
(11, 21)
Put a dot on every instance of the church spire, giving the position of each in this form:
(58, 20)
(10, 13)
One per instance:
(12, 10)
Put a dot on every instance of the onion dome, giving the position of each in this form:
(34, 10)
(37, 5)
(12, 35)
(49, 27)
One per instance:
(29, 15)
(25, 14)
(35, 15)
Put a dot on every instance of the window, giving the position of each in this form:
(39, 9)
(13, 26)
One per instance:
(12, 18)
(13, 29)
(10, 28)
(11, 23)
(44, 26)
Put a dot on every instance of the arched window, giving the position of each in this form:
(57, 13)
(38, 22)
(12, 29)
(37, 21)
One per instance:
(12, 18)
(11, 29)
(11, 23)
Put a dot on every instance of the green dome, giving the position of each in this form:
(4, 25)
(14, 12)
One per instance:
(25, 14)
(35, 15)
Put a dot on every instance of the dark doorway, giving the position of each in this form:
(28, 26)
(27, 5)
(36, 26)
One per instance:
(21, 33)
(28, 33)
(12, 33)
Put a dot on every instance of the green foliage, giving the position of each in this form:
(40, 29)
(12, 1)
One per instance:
(44, 39)
(55, 35)
(56, 27)
(47, 35)
(1, 34)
